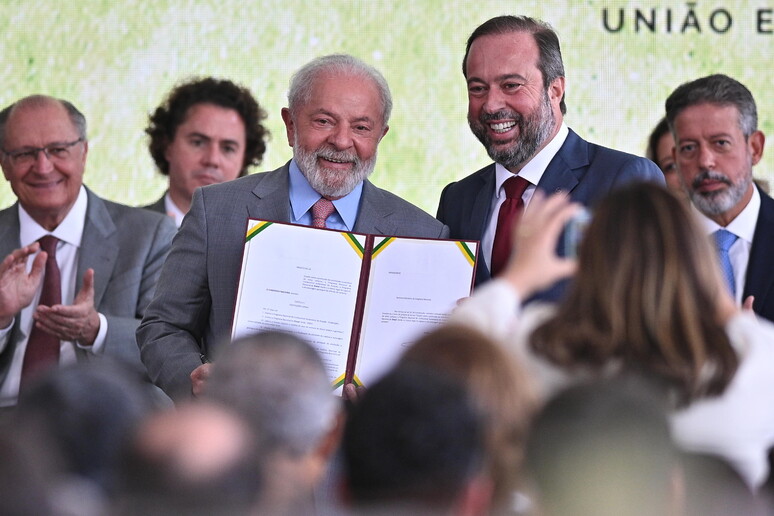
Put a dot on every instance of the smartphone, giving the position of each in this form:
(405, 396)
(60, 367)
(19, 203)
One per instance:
(574, 231)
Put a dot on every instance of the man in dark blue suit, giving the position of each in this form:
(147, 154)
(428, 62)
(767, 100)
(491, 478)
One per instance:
(714, 121)
(515, 76)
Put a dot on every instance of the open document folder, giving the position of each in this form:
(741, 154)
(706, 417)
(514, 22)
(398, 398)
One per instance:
(360, 300)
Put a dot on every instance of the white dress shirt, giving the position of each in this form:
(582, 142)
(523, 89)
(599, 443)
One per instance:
(743, 226)
(532, 172)
(172, 210)
(69, 233)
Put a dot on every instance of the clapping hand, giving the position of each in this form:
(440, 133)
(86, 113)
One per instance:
(78, 322)
(17, 286)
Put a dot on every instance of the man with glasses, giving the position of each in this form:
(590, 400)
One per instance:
(78, 270)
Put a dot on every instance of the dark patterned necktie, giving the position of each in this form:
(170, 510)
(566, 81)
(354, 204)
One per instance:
(43, 348)
(510, 211)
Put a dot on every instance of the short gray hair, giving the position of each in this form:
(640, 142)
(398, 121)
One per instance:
(279, 384)
(716, 89)
(76, 117)
(302, 82)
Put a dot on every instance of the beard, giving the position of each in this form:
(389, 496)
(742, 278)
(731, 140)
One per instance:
(534, 129)
(719, 202)
(331, 183)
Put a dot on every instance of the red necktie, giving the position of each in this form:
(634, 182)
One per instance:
(321, 210)
(510, 211)
(43, 348)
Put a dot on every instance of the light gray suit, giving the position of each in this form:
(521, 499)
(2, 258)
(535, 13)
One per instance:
(192, 311)
(126, 247)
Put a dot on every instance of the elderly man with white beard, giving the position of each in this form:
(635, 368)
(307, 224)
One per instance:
(338, 112)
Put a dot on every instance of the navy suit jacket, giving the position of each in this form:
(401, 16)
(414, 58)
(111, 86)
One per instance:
(759, 280)
(586, 170)
(192, 311)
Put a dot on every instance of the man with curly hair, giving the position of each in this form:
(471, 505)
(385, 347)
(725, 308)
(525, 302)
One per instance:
(206, 131)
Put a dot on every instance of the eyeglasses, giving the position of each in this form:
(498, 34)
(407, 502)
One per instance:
(58, 152)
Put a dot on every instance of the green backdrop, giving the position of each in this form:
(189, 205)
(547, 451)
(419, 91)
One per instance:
(116, 61)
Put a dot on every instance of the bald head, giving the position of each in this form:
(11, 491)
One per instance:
(77, 119)
(199, 459)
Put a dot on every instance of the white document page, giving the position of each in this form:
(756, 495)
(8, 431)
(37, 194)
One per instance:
(304, 281)
(413, 286)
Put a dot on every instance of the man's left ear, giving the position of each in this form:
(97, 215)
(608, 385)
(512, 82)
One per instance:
(386, 128)
(85, 150)
(289, 126)
(756, 141)
(556, 90)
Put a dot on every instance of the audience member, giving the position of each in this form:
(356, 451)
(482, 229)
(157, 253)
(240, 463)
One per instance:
(711, 487)
(516, 87)
(278, 383)
(604, 449)
(665, 312)
(201, 459)
(206, 131)
(717, 142)
(414, 445)
(27, 476)
(84, 413)
(338, 112)
(659, 151)
(502, 392)
(78, 270)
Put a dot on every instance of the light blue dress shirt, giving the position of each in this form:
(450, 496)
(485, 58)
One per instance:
(303, 196)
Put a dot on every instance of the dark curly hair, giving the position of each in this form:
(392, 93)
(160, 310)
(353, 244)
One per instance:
(163, 123)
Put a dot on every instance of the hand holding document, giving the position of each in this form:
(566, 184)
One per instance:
(358, 299)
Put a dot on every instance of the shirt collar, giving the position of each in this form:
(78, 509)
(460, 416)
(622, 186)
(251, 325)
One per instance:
(533, 170)
(743, 225)
(303, 196)
(70, 230)
(172, 209)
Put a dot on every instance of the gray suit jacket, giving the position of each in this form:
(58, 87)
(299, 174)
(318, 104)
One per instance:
(157, 206)
(126, 247)
(194, 304)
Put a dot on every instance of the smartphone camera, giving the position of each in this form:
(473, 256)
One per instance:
(574, 231)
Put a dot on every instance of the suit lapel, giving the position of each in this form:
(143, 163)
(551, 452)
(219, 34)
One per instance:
(99, 247)
(373, 215)
(482, 204)
(271, 197)
(759, 277)
(9, 230)
(9, 241)
(159, 206)
(561, 175)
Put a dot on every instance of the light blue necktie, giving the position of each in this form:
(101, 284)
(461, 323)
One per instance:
(724, 240)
